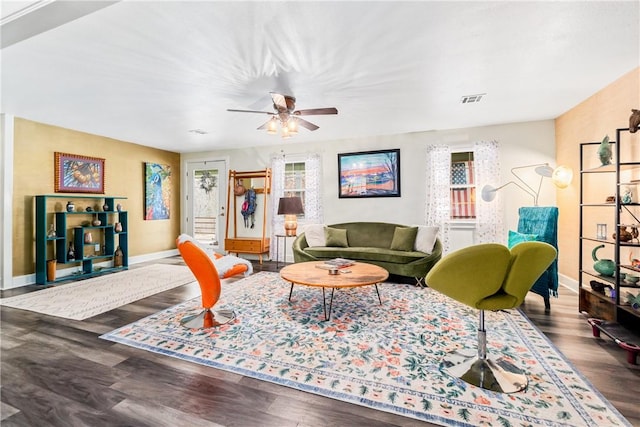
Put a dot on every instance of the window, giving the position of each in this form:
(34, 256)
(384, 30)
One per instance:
(295, 182)
(463, 187)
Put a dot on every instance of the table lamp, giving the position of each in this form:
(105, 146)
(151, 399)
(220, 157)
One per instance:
(290, 207)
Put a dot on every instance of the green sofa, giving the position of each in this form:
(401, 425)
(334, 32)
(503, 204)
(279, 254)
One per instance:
(371, 242)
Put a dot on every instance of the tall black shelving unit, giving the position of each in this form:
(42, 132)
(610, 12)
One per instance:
(609, 307)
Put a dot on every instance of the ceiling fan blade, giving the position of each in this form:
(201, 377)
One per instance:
(306, 124)
(316, 111)
(249, 111)
(265, 125)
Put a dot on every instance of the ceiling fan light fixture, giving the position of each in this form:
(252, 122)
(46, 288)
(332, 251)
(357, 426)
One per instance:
(272, 129)
(292, 126)
(286, 114)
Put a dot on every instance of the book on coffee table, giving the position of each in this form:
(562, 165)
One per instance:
(339, 262)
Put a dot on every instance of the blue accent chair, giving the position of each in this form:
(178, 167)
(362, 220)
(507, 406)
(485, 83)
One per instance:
(542, 221)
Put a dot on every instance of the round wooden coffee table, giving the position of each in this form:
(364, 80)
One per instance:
(359, 274)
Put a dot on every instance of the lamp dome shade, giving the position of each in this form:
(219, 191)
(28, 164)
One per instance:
(488, 193)
(544, 170)
(562, 176)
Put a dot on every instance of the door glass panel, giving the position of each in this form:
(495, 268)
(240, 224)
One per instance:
(206, 210)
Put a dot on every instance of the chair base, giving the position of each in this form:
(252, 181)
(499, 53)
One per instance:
(498, 375)
(208, 319)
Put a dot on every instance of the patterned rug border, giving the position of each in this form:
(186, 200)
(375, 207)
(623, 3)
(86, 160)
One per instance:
(90, 297)
(512, 320)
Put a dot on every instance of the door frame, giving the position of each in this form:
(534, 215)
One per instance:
(185, 207)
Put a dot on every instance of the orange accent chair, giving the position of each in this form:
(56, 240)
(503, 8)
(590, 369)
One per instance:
(236, 269)
(207, 276)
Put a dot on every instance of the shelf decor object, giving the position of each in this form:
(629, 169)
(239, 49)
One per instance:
(601, 231)
(78, 174)
(634, 120)
(605, 284)
(82, 238)
(604, 151)
(560, 176)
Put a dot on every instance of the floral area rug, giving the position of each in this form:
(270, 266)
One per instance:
(385, 356)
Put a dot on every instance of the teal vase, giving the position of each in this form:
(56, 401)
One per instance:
(606, 267)
(604, 151)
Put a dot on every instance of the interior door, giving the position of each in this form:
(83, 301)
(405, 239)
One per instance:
(206, 199)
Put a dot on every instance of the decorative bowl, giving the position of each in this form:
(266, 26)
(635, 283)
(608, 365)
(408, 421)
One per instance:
(598, 286)
(632, 279)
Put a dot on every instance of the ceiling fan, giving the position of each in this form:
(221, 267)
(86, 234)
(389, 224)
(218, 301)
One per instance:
(285, 112)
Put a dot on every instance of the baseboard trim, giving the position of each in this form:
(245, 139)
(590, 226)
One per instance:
(569, 283)
(30, 279)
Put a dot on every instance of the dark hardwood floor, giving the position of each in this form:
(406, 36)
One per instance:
(56, 372)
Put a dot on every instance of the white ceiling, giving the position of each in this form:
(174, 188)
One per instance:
(148, 72)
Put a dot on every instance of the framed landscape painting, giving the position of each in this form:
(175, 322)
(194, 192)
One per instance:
(78, 174)
(157, 189)
(369, 174)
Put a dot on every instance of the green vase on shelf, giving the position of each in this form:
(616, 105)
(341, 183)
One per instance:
(604, 151)
(605, 267)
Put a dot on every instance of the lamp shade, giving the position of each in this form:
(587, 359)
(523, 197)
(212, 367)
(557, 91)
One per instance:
(290, 206)
(562, 176)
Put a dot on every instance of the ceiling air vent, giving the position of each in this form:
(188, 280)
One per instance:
(469, 99)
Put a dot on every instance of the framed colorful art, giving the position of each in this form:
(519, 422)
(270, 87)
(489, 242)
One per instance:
(157, 190)
(78, 174)
(369, 174)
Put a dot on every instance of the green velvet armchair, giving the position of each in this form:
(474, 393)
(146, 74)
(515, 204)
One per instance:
(490, 277)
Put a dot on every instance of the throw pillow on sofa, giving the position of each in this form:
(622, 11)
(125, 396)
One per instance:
(515, 238)
(314, 234)
(336, 237)
(426, 238)
(404, 238)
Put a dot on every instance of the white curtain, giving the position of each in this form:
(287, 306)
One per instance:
(438, 204)
(486, 158)
(313, 211)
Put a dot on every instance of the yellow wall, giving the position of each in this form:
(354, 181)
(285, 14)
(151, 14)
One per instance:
(600, 115)
(34, 147)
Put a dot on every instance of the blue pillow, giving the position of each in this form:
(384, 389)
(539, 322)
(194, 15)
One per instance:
(515, 238)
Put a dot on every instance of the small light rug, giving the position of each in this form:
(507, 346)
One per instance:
(380, 356)
(87, 298)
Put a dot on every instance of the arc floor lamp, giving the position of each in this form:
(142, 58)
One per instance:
(560, 176)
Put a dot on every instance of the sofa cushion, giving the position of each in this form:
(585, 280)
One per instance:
(369, 234)
(515, 238)
(315, 234)
(336, 237)
(365, 254)
(404, 238)
(426, 238)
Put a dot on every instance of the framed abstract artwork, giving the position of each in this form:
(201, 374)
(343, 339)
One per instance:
(369, 174)
(157, 191)
(78, 174)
